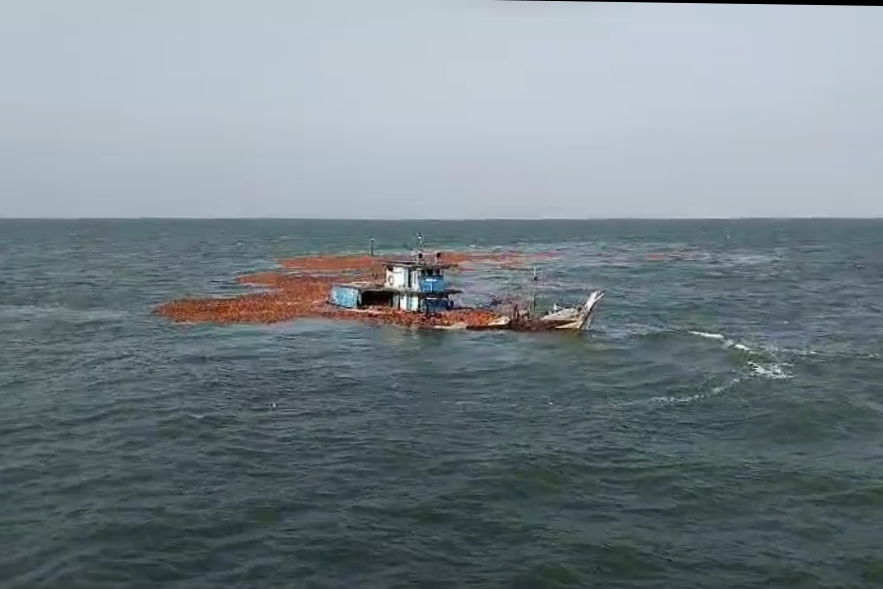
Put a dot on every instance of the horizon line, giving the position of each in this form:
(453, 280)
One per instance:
(449, 220)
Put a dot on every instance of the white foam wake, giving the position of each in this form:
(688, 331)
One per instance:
(674, 400)
(773, 371)
(715, 336)
(721, 338)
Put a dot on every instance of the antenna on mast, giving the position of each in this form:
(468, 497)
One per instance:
(533, 302)
(418, 245)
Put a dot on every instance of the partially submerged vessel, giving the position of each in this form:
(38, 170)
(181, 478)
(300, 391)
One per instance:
(408, 291)
(419, 286)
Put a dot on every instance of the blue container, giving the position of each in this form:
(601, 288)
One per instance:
(345, 296)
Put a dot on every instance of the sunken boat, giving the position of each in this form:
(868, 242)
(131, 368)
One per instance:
(418, 285)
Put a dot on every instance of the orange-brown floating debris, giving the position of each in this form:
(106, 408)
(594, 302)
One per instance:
(331, 263)
(251, 308)
(301, 291)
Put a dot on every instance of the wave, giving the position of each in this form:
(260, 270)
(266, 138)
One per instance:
(680, 400)
(729, 343)
(674, 400)
(768, 355)
(764, 361)
(773, 371)
(715, 336)
(646, 331)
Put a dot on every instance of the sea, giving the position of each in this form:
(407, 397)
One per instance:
(719, 426)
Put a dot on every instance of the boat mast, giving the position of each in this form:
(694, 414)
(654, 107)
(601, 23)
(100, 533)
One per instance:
(418, 244)
(533, 302)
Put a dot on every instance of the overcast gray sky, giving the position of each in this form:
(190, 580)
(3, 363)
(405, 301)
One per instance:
(438, 108)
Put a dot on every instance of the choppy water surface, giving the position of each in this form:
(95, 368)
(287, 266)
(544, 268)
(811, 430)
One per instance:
(722, 426)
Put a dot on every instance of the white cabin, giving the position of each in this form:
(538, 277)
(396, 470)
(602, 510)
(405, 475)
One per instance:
(418, 282)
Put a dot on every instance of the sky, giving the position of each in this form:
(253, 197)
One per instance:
(438, 109)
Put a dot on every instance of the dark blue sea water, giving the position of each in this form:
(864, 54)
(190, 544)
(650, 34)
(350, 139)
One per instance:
(720, 426)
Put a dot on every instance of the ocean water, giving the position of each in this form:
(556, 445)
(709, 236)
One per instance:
(720, 426)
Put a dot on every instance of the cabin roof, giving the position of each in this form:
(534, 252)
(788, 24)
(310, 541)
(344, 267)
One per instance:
(375, 287)
(417, 264)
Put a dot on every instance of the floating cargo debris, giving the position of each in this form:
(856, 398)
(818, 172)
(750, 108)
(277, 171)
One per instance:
(411, 292)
